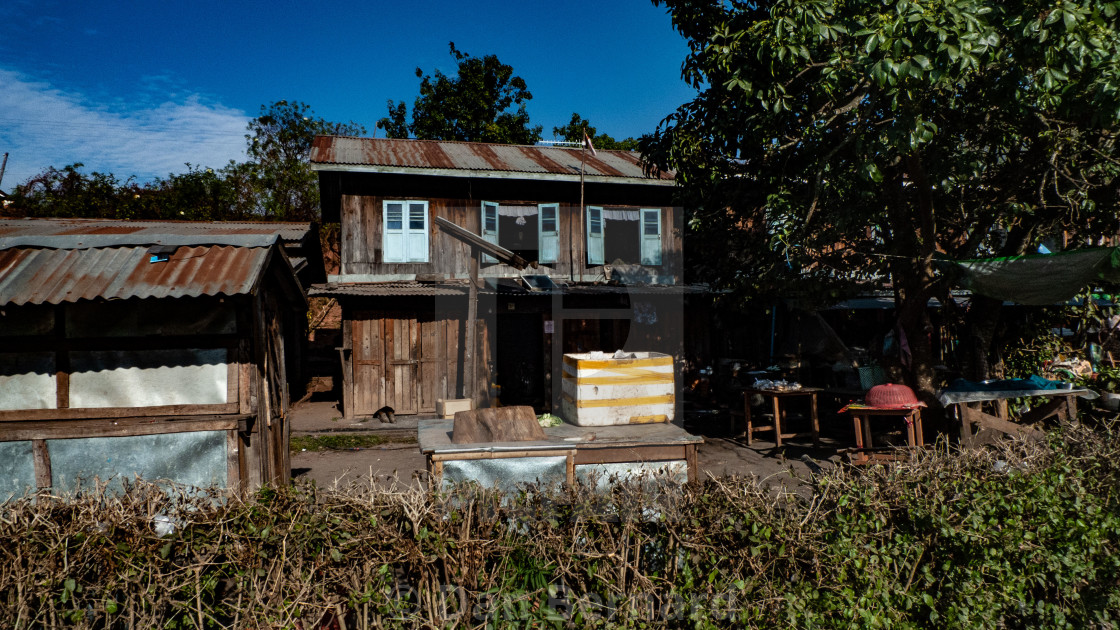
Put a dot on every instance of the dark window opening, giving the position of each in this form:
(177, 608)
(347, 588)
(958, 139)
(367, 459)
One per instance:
(622, 241)
(520, 235)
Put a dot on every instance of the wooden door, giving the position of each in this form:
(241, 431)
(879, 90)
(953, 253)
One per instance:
(432, 381)
(402, 365)
(369, 366)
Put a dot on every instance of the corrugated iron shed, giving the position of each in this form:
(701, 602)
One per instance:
(466, 159)
(288, 232)
(53, 276)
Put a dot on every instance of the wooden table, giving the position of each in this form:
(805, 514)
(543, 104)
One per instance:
(861, 422)
(979, 428)
(776, 399)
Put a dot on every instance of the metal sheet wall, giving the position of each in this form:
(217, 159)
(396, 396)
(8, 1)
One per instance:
(27, 381)
(148, 378)
(17, 469)
(602, 474)
(505, 474)
(195, 459)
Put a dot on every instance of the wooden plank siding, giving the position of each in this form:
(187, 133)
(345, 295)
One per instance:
(361, 244)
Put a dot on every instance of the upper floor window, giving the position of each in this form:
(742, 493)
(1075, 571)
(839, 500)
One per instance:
(405, 231)
(532, 232)
(629, 236)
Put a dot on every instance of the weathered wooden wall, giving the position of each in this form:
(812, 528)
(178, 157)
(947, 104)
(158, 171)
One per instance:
(362, 242)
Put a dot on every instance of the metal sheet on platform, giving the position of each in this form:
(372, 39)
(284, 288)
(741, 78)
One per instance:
(601, 475)
(506, 473)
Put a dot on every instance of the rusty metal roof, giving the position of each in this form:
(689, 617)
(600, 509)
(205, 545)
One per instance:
(52, 276)
(386, 289)
(149, 230)
(469, 159)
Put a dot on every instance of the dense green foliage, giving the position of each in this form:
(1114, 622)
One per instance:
(836, 143)
(1025, 536)
(279, 147)
(483, 102)
(577, 126)
(276, 182)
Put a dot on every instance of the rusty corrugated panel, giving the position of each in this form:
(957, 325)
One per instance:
(475, 156)
(79, 227)
(53, 276)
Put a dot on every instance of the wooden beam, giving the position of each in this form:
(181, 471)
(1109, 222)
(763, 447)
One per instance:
(477, 243)
(471, 347)
(115, 427)
(19, 415)
(658, 453)
(474, 455)
(42, 460)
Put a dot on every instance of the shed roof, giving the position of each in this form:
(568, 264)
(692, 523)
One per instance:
(52, 276)
(147, 231)
(479, 159)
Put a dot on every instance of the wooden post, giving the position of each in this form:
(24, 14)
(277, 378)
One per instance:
(471, 350)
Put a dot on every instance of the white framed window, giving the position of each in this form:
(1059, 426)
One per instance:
(531, 231)
(624, 234)
(489, 227)
(651, 236)
(404, 231)
(594, 235)
(549, 232)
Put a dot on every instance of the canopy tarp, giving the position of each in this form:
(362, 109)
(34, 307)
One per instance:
(1040, 279)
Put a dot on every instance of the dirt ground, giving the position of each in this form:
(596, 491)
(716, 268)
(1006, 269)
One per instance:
(401, 463)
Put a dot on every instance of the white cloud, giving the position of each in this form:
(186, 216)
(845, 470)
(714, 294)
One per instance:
(42, 126)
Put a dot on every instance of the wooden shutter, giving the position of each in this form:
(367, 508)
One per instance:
(417, 231)
(549, 232)
(594, 235)
(489, 230)
(651, 236)
(393, 247)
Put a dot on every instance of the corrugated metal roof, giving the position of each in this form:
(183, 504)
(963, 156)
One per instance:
(288, 232)
(53, 276)
(386, 289)
(470, 158)
(493, 286)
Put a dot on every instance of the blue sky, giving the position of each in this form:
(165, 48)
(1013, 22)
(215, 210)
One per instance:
(142, 88)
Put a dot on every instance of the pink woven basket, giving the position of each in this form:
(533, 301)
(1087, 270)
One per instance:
(891, 395)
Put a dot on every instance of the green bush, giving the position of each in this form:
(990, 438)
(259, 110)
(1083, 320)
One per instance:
(1024, 535)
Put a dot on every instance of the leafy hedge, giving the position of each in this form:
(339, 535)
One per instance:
(1027, 535)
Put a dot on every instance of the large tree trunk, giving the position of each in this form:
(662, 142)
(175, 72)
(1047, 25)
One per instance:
(982, 322)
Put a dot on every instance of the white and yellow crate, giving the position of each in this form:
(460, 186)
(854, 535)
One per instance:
(607, 391)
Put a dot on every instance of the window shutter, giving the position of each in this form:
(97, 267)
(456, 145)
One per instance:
(489, 227)
(549, 227)
(651, 236)
(418, 231)
(594, 235)
(393, 241)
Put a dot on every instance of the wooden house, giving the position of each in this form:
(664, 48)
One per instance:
(604, 237)
(134, 352)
